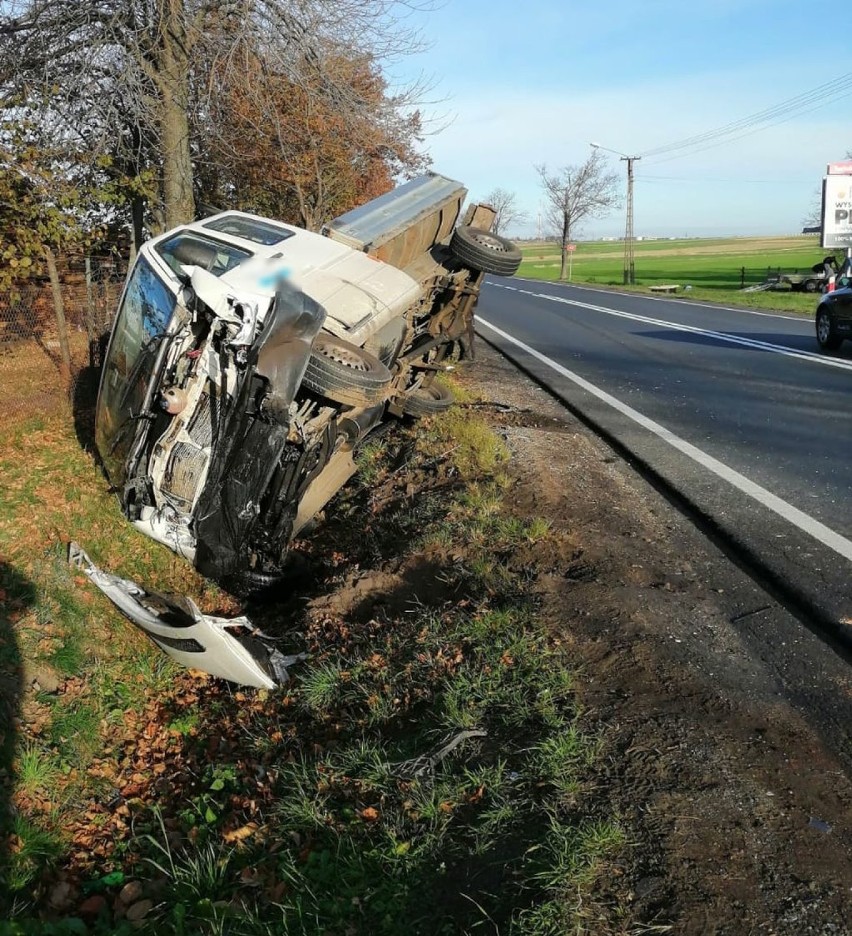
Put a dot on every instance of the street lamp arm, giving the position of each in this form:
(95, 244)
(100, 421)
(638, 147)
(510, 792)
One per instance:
(608, 149)
(616, 152)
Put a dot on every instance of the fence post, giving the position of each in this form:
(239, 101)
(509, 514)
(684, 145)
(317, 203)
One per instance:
(742, 277)
(59, 306)
(90, 313)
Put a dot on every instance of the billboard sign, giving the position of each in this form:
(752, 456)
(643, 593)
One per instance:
(837, 211)
(839, 168)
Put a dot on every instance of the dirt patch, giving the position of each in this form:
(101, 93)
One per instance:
(725, 720)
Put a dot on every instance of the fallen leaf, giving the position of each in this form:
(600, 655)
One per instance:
(241, 834)
(250, 877)
(139, 910)
(61, 896)
(477, 795)
(92, 906)
(275, 893)
(130, 893)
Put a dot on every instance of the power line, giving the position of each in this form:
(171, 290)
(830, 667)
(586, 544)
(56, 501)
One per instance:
(800, 102)
(654, 178)
(727, 141)
(815, 98)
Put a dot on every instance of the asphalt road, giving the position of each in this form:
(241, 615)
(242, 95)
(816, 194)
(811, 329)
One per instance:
(734, 411)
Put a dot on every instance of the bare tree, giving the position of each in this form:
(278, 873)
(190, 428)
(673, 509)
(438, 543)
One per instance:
(118, 79)
(575, 194)
(505, 204)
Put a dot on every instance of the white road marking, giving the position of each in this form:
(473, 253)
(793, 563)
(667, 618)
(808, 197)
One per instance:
(692, 329)
(686, 302)
(819, 531)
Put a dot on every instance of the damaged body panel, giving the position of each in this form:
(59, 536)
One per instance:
(249, 359)
(230, 648)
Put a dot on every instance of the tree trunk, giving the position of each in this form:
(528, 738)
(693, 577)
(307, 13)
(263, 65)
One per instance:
(90, 315)
(178, 200)
(566, 240)
(137, 214)
(173, 84)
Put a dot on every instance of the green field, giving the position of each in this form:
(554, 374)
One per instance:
(713, 268)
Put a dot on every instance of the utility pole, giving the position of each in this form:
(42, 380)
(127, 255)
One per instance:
(629, 266)
(629, 236)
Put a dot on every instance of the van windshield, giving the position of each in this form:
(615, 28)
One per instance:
(144, 316)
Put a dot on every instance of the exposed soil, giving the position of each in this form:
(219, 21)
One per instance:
(726, 721)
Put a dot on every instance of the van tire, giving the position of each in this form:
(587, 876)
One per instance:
(427, 401)
(345, 373)
(484, 251)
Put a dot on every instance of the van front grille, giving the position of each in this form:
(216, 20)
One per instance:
(184, 473)
(200, 428)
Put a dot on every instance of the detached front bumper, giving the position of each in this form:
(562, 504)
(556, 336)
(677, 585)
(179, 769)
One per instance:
(231, 648)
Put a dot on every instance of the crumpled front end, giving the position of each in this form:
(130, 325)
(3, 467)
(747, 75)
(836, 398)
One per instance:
(231, 648)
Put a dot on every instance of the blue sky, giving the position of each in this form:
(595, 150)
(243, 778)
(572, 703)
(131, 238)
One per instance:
(515, 84)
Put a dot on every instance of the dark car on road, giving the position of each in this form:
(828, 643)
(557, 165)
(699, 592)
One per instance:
(834, 317)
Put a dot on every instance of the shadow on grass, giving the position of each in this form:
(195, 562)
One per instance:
(16, 594)
(84, 392)
(84, 396)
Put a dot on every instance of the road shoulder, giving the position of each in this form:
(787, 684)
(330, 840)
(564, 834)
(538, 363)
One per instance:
(724, 719)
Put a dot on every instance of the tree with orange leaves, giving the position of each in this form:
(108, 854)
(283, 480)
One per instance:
(292, 146)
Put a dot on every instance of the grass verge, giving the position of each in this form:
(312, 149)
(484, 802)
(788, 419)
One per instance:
(425, 772)
(714, 269)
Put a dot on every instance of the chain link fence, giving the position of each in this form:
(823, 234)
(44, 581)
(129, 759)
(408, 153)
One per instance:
(52, 333)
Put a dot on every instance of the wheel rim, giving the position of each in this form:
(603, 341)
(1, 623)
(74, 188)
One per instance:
(823, 327)
(490, 243)
(343, 356)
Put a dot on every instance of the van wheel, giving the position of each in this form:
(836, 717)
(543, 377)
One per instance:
(484, 251)
(427, 401)
(345, 373)
(811, 286)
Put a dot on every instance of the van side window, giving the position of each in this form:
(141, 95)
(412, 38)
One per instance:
(188, 249)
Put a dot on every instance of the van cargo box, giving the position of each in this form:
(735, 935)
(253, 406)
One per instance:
(403, 224)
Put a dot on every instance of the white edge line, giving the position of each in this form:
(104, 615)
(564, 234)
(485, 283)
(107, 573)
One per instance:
(743, 341)
(686, 302)
(819, 531)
